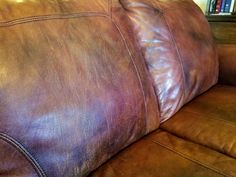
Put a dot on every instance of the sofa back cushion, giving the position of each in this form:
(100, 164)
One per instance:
(178, 46)
(74, 89)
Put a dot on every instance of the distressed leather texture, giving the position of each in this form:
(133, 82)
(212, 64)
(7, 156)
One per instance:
(78, 97)
(175, 48)
(72, 88)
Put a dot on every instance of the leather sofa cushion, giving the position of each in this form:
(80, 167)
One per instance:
(180, 52)
(209, 120)
(165, 155)
(71, 94)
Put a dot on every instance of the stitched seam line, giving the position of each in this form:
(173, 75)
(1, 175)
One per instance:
(210, 117)
(24, 152)
(50, 17)
(193, 160)
(178, 53)
(148, 74)
(213, 146)
(110, 8)
(136, 69)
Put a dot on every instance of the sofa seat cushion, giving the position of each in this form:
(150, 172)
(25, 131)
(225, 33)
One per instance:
(163, 154)
(209, 120)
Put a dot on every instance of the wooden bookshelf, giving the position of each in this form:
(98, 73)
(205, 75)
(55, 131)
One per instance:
(223, 27)
(221, 18)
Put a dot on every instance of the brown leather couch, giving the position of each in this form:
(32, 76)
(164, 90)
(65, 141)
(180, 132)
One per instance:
(109, 88)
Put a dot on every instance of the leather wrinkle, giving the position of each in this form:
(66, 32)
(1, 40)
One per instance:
(178, 52)
(20, 148)
(191, 159)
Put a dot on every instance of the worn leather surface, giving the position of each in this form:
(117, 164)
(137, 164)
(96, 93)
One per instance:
(165, 155)
(227, 60)
(209, 120)
(179, 51)
(72, 90)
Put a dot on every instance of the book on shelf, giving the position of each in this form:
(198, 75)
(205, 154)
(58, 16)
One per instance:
(212, 6)
(221, 7)
(227, 6)
(218, 6)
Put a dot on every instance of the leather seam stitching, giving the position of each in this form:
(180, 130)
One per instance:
(210, 117)
(193, 160)
(20, 148)
(154, 90)
(211, 146)
(178, 53)
(110, 8)
(136, 69)
(50, 17)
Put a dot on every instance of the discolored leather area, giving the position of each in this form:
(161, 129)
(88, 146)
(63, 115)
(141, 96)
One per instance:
(227, 54)
(163, 154)
(71, 93)
(208, 120)
(75, 91)
(175, 48)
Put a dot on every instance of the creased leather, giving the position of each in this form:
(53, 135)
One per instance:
(179, 51)
(208, 120)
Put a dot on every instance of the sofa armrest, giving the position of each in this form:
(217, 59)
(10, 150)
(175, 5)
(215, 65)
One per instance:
(227, 62)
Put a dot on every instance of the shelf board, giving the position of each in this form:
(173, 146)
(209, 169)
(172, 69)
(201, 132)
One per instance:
(221, 18)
